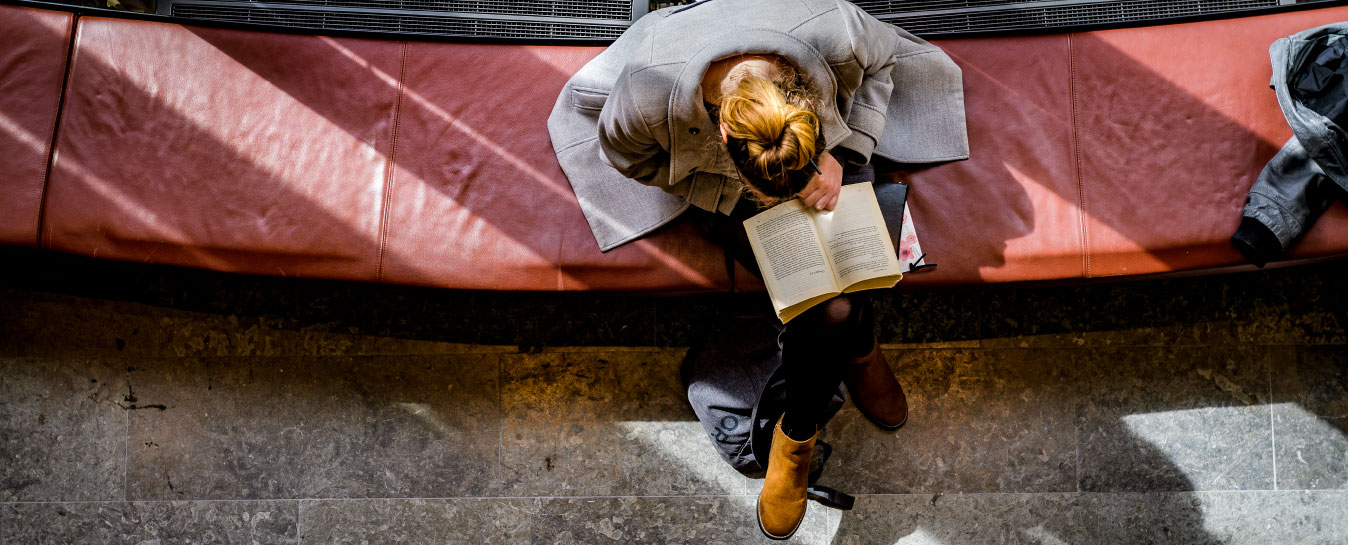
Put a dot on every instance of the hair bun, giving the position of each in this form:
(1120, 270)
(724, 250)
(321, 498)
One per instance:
(767, 136)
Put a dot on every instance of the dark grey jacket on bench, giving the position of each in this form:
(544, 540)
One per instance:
(1309, 173)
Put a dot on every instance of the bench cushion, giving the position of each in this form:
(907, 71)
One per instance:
(1120, 152)
(1008, 213)
(235, 151)
(1174, 124)
(336, 158)
(32, 67)
(478, 199)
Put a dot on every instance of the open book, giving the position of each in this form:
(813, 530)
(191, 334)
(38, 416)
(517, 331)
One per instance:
(808, 256)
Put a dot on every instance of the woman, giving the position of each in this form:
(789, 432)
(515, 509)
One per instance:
(729, 106)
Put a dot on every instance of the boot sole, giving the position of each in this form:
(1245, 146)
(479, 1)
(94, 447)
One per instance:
(876, 421)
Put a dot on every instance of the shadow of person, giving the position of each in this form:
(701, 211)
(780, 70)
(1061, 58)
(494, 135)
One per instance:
(1065, 445)
(144, 170)
(967, 213)
(1043, 519)
(468, 150)
(1077, 142)
(1148, 434)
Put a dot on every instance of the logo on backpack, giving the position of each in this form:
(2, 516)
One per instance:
(727, 424)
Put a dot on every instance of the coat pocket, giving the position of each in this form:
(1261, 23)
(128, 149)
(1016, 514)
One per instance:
(588, 99)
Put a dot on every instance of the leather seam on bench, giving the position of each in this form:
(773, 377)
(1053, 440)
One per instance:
(1076, 154)
(52, 135)
(392, 168)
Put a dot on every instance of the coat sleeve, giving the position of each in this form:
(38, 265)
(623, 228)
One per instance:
(874, 45)
(626, 139)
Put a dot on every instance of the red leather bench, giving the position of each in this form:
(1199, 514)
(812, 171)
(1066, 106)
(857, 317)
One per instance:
(1120, 152)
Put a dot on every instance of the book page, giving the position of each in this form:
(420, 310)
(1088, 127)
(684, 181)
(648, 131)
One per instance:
(856, 240)
(786, 244)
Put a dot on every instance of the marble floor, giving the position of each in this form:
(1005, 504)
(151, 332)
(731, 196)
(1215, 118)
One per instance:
(153, 405)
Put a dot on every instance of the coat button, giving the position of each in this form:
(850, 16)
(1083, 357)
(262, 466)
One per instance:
(694, 130)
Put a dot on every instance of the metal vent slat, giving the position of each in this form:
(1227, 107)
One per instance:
(909, 6)
(602, 20)
(599, 9)
(398, 23)
(1052, 16)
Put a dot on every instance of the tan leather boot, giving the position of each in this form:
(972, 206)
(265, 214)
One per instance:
(781, 504)
(875, 391)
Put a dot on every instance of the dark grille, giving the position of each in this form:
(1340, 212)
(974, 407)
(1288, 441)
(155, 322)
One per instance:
(599, 9)
(950, 16)
(402, 23)
(602, 20)
(901, 6)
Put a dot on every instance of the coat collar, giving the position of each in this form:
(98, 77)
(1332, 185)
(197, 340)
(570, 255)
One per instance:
(692, 133)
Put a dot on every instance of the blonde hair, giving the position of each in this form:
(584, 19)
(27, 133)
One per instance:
(771, 134)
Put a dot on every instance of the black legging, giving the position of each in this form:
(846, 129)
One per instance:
(816, 348)
(816, 345)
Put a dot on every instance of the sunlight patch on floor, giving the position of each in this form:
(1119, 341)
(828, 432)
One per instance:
(919, 537)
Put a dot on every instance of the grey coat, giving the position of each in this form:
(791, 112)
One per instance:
(633, 137)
